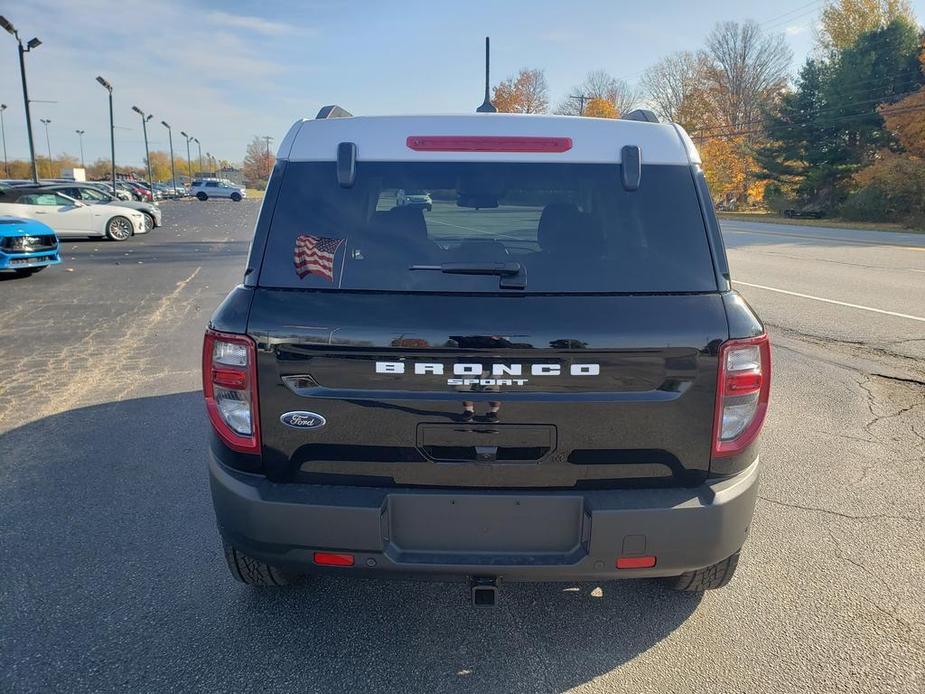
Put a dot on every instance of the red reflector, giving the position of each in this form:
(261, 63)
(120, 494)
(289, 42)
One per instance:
(333, 559)
(229, 378)
(646, 561)
(487, 143)
(742, 383)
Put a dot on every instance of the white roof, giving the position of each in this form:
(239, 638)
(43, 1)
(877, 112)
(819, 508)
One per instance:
(384, 138)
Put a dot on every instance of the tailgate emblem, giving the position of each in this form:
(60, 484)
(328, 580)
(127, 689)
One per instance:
(303, 420)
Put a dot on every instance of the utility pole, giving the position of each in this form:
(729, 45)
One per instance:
(6, 162)
(582, 98)
(173, 171)
(46, 122)
(112, 131)
(145, 117)
(268, 138)
(80, 134)
(33, 43)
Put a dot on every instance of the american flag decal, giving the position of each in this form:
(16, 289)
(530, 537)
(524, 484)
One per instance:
(314, 255)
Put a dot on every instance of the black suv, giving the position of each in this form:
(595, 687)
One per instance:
(546, 376)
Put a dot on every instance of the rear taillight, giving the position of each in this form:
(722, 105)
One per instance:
(229, 383)
(742, 390)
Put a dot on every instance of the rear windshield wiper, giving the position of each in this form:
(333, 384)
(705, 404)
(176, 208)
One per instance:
(512, 275)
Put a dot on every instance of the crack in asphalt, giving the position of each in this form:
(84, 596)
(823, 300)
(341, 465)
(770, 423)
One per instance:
(915, 364)
(841, 514)
(889, 611)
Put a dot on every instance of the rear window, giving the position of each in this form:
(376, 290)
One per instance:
(560, 227)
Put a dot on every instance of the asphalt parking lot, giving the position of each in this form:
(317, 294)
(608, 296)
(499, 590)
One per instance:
(115, 579)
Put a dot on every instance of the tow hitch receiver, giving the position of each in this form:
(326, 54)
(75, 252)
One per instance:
(484, 591)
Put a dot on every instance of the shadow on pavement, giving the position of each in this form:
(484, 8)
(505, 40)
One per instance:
(115, 581)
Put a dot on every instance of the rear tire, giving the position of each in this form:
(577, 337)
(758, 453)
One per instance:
(254, 572)
(709, 578)
(201, 196)
(119, 228)
(236, 197)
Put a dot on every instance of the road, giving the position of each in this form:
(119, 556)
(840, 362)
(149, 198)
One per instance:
(115, 579)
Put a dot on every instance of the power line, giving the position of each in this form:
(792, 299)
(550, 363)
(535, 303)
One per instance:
(847, 118)
(815, 114)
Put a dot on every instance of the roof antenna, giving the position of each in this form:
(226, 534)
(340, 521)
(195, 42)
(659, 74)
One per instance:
(487, 106)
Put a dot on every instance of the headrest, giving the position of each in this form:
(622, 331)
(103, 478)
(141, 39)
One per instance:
(559, 224)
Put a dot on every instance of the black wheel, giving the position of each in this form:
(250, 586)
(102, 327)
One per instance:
(149, 221)
(236, 197)
(119, 228)
(201, 196)
(254, 572)
(715, 576)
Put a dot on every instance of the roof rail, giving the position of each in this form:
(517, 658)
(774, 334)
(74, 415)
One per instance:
(641, 114)
(333, 111)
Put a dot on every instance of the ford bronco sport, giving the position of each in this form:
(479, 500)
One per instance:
(546, 376)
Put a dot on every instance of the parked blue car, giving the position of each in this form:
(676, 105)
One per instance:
(27, 246)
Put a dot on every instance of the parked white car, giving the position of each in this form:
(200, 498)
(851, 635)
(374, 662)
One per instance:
(70, 217)
(206, 188)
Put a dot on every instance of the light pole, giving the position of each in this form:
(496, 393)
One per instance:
(199, 145)
(33, 43)
(189, 162)
(173, 171)
(6, 162)
(112, 131)
(268, 138)
(144, 126)
(80, 134)
(46, 122)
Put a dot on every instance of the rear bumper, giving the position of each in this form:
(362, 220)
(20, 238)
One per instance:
(533, 535)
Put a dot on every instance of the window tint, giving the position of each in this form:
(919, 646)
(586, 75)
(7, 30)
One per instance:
(48, 199)
(569, 228)
(92, 194)
(196, 183)
(212, 184)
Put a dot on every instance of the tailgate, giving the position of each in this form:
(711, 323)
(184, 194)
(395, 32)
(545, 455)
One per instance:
(586, 391)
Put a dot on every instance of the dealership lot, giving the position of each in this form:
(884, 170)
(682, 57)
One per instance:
(118, 582)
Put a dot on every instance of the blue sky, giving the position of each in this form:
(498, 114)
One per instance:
(226, 71)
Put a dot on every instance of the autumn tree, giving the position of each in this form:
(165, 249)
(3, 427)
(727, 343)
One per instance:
(160, 165)
(258, 163)
(527, 92)
(600, 85)
(601, 108)
(844, 21)
(725, 166)
(676, 88)
(746, 72)
(906, 118)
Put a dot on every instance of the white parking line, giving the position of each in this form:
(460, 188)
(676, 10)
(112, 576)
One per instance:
(830, 301)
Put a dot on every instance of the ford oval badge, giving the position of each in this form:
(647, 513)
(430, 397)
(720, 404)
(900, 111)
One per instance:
(303, 420)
